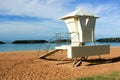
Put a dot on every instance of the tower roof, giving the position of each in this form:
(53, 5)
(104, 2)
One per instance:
(78, 12)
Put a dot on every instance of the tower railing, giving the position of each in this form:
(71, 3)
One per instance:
(66, 39)
(58, 40)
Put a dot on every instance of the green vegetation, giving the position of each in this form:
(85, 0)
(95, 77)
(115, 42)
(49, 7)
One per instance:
(2, 42)
(108, 40)
(29, 41)
(112, 76)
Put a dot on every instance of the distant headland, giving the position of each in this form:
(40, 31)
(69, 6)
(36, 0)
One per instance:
(2, 42)
(28, 41)
(55, 41)
(108, 40)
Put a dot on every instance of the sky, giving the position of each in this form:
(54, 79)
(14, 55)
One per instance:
(39, 19)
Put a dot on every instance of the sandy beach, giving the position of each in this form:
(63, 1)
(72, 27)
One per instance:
(25, 65)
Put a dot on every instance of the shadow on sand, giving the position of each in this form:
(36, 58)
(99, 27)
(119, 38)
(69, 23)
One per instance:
(102, 61)
(91, 62)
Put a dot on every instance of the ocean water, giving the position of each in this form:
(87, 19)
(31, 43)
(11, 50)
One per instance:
(43, 46)
(19, 47)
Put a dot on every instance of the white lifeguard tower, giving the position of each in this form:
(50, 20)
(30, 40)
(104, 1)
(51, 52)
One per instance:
(81, 26)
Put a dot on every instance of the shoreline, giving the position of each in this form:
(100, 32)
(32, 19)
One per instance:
(44, 50)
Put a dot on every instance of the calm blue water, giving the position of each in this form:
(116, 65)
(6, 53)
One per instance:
(19, 47)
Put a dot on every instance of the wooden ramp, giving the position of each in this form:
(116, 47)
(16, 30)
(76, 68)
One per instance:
(48, 54)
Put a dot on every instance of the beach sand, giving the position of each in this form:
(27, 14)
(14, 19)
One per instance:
(25, 65)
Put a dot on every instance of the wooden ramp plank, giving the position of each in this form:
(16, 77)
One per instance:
(49, 53)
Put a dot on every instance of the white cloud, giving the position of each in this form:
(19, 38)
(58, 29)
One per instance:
(39, 8)
(109, 16)
(52, 9)
(20, 30)
(105, 11)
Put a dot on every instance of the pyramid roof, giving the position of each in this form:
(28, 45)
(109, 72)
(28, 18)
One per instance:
(78, 12)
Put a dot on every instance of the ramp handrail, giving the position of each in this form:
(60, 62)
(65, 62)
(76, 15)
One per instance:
(57, 41)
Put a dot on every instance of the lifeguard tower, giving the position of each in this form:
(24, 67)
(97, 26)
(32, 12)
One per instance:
(81, 26)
